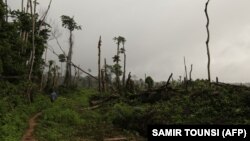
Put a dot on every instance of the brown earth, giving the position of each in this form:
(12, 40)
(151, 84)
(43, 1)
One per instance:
(28, 136)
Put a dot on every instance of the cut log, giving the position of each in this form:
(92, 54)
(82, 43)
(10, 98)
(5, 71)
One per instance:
(116, 139)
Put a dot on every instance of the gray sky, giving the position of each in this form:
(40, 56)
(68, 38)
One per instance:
(159, 34)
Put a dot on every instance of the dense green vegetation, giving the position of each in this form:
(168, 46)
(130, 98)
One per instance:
(129, 115)
(70, 119)
(15, 111)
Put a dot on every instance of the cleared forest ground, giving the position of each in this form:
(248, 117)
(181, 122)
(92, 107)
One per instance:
(84, 114)
(126, 117)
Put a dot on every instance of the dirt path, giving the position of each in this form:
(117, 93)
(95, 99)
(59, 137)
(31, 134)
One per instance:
(28, 136)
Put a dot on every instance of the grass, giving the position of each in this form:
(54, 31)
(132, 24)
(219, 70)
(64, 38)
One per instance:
(68, 120)
(14, 118)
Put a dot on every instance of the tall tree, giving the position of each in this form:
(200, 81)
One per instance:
(99, 63)
(71, 25)
(33, 52)
(207, 42)
(116, 59)
(124, 61)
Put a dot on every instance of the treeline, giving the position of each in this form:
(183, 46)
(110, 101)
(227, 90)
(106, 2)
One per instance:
(24, 38)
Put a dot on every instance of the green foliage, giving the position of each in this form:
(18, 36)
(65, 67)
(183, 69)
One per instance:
(116, 68)
(62, 58)
(201, 104)
(116, 58)
(15, 45)
(150, 82)
(64, 116)
(2, 12)
(14, 114)
(68, 119)
(119, 40)
(69, 23)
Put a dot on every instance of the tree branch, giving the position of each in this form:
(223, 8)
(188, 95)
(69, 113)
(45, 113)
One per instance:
(207, 42)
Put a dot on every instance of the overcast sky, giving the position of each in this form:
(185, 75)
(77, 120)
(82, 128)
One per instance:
(159, 34)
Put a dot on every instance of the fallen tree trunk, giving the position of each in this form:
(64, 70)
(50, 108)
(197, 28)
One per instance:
(116, 139)
(93, 103)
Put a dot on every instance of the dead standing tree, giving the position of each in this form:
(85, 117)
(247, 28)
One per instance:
(207, 42)
(185, 66)
(99, 64)
(105, 75)
(186, 75)
(190, 73)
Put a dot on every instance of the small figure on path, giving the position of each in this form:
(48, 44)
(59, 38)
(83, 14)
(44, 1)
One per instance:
(53, 96)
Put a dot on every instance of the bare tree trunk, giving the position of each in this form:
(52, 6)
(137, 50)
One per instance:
(33, 46)
(48, 83)
(45, 59)
(44, 16)
(28, 5)
(185, 68)
(78, 76)
(103, 81)
(105, 75)
(84, 71)
(186, 76)
(207, 43)
(54, 77)
(23, 34)
(190, 73)
(26, 37)
(57, 78)
(6, 10)
(99, 64)
(168, 82)
(124, 70)
(31, 7)
(128, 80)
(61, 69)
(33, 38)
(117, 63)
(67, 79)
(22, 6)
(74, 79)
